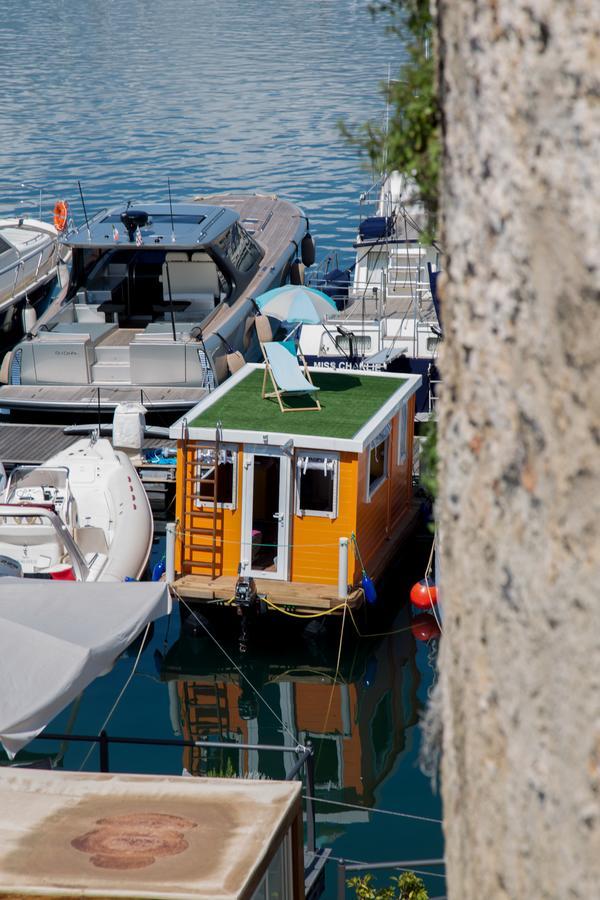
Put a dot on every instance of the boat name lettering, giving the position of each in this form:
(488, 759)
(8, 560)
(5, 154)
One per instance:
(345, 364)
(65, 352)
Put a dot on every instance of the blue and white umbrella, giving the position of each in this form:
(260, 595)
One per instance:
(296, 303)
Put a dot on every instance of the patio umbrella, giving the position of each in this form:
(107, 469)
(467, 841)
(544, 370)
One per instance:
(296, 303)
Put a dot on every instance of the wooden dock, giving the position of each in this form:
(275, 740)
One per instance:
(32, 445)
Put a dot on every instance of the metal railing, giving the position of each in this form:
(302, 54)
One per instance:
(343, 868)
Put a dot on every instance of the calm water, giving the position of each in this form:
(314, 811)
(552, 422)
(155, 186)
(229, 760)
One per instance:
(219, 95)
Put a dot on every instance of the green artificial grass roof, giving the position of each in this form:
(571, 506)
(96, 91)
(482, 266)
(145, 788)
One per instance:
(348, 401)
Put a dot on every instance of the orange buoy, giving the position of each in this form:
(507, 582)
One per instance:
(61, 215)
(425, 627)
(423, 594)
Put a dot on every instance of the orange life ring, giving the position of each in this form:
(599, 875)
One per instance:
(61, 215)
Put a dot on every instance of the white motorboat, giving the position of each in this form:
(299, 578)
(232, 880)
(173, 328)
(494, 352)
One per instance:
(28, 259)
(387, 317)
(83, 515)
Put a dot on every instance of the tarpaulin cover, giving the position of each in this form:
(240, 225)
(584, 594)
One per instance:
(56, 637)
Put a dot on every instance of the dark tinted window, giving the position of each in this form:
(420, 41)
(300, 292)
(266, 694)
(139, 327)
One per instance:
(239, 247)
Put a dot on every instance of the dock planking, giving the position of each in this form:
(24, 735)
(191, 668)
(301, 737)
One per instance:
(32, 445)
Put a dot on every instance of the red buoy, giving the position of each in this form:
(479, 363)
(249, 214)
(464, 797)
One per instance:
(423, 594)
(425, 627)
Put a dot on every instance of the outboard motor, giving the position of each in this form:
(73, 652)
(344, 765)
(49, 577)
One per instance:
(129, 424)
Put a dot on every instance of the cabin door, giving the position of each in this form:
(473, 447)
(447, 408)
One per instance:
(266, 513)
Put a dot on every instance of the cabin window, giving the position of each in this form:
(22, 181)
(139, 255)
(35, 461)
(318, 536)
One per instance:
(354, 344)
(317, 485)
(402, 434)
(378, 460)
(226, 478)
(4, 246)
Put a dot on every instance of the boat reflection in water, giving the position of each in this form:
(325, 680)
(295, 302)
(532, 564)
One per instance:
(357, 722)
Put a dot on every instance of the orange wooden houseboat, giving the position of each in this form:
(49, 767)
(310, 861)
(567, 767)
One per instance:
(291, 510)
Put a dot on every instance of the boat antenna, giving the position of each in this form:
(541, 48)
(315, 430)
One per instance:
(171, 208)
(84, 209)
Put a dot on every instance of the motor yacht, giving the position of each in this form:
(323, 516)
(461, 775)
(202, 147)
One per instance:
(159, 304)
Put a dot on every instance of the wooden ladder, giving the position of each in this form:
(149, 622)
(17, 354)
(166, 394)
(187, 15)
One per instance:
(202, 526)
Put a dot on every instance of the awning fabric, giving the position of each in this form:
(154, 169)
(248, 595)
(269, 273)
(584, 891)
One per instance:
(56, 637)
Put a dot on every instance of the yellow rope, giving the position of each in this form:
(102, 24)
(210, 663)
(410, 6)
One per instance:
(286, 612)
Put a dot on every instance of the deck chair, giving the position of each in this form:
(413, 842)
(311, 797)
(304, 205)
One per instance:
(282, 365)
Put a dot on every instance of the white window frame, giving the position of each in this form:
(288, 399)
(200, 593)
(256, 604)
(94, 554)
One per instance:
(382, 438)
(402, 435)
(223, 448)
(317, 455)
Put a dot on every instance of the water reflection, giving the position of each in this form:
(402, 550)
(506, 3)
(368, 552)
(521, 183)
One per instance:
(356, 718)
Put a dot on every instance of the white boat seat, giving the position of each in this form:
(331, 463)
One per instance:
(192, 279)
(96, 330)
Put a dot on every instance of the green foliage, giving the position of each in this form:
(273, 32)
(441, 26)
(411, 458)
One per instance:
(429, 459)
(227, 772)
(411, 142)
(403, 887)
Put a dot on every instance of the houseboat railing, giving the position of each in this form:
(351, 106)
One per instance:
(304, 751)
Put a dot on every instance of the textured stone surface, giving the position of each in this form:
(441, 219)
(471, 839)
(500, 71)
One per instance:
(519, 502)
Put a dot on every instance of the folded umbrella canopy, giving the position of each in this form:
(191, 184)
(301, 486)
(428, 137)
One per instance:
(296, 303)
(56, 637)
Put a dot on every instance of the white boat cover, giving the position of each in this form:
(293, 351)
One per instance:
(56, 637)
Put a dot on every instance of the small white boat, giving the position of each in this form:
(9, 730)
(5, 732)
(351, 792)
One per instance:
(28, 258)
(83, 515)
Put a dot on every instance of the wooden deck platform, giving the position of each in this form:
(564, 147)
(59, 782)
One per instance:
(32, 445)
(296, 595)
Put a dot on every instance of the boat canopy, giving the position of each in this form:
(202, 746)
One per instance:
(56, 637)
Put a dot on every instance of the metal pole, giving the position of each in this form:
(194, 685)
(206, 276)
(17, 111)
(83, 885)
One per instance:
(104, 752)
(170, 553)
(310, 792)
(343, 569)
(341, 879)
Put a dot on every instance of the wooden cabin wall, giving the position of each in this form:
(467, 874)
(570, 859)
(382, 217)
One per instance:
(378, 518)
(315, 539)
(229, 528)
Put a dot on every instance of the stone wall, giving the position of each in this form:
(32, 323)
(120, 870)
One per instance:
(519, 505)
